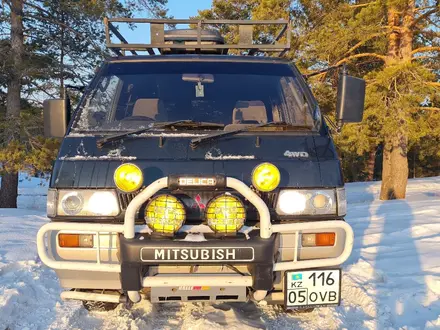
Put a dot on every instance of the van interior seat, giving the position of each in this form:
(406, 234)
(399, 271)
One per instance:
(249, 112)
(146, 108)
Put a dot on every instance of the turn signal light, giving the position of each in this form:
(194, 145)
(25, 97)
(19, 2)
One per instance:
(318, 239)
(75, 240)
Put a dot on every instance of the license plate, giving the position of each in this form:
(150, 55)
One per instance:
(312, 288)
(199, 254)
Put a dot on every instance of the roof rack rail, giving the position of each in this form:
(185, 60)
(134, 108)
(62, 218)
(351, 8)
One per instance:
(203, 39)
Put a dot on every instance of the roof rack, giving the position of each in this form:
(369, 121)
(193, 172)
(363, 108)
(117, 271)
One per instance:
(203, 39)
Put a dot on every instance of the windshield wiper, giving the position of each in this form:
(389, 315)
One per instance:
(178, 123)
(211, 137)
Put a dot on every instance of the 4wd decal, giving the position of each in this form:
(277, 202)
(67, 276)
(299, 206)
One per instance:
(296, 154)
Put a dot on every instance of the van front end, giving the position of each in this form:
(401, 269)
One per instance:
(190, 175)
(293, 263)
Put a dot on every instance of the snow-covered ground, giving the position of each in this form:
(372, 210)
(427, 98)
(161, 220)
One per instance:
(391, 281)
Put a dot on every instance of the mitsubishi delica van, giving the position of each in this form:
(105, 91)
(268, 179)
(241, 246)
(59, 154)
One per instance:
(188, 174)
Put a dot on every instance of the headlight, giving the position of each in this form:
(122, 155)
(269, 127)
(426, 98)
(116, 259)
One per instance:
(165, 214)
(308, 202)
(86, 203)
(103, 203)
(266, 177)
(128, 177)
(72, 203)
(225, 214)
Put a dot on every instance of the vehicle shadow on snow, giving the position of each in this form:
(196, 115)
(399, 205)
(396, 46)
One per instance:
(399, 281)
(246, 313)
(384, 240)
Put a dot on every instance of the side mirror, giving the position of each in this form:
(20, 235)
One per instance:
(56, 117)
(351, 98)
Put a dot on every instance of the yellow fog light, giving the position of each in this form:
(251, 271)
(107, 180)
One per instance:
(128, 177)
(225, 214)
(266, 177)
(165, 214)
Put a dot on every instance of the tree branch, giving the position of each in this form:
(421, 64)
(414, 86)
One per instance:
(423, 8)
(51, 19)
(435, 84)
(38, 8)
(425, 15)
(422, 57)
(425, 50)
(429, 108)
(43, 90)
(382, 57)
(362, 5)
(360, 43)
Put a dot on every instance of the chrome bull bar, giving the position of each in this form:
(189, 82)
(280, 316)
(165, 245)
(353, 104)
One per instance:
(139, 200)
(128, 230)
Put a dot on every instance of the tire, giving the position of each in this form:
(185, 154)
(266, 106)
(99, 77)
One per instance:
(295, 311)
(302, 310)
(99, 306)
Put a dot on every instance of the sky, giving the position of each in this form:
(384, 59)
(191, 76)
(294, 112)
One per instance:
(181, 9)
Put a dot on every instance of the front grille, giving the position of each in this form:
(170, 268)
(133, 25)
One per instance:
(270, 198)
(125, 199)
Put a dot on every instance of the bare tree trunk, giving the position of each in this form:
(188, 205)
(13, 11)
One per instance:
(387, 179)
(9, 184)
(371, 163)
(395, 160)
(395, 167)
(62, 91)
(399, 160)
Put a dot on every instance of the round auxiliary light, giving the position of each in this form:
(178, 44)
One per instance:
(225, 214)
(165, 214)
(266, 177)
(128, 177)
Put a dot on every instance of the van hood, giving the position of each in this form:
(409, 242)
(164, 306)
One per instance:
(304, 161)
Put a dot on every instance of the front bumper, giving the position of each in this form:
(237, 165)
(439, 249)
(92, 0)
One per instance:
(133, 269)
(257, 253)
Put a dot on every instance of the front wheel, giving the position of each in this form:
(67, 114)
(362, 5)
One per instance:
(302, 310)
(296, 311)
(99, 306)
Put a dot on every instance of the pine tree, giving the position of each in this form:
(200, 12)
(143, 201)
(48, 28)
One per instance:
(9, 185)
(50, 42)
(394, 44)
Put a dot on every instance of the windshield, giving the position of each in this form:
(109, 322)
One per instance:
(129, 96)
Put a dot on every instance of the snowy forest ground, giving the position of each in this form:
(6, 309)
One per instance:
(391, 281)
